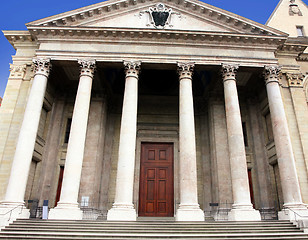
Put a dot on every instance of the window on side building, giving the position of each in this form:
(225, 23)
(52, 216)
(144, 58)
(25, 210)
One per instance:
(300, 31)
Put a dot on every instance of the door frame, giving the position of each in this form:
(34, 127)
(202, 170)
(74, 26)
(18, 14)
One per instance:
(161, 136)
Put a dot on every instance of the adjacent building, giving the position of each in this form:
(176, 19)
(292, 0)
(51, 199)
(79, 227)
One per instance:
(158, 109)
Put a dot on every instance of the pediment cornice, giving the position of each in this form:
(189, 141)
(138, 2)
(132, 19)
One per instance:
(89, 34)
(90, 13)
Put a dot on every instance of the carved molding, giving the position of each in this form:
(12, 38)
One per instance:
(229, 71)
(132, 68)
(186, 70)
(295, 79)
(272, 73)
(42, 66)
(87, 67)
(18, 71)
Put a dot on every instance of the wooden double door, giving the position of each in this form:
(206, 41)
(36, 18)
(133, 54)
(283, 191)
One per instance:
(156, 191)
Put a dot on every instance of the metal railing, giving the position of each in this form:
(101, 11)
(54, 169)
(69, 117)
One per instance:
(268, 214)
(219, 211)
(11, 210)
(297, 216)
(91, 212)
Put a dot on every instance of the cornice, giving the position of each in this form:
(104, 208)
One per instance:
(19, 37)
(89, 13)
(302, 57)
(99, 33)
(293, 48)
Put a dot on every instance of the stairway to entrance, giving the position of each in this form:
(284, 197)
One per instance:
(55, 229)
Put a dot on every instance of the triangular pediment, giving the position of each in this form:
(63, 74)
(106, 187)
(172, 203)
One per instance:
(185, 15)
(288, 15)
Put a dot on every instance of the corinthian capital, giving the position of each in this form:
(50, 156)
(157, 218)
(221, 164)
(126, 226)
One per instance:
(87, 67)
(17, 71)
(271, 73)
(295, 79)
(229, 71)
(42, 66)
(186, 70)
(132, 68)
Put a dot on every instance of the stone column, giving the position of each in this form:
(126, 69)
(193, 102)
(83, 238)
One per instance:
(123, 208)
(242, 209)
(27, 136)
(288, 175)
(189, 209)
(67, 207)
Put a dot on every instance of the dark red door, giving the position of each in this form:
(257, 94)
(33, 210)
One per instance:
(59, 185)
(251, 188)
(156, 180)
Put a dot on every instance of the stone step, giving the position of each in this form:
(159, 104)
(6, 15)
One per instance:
(157, 227)
(156, 223)
(175, 226)
(190, 231)
(156, 230)
(163, 221)
(35, 235)
(59, 228)
(154, 219)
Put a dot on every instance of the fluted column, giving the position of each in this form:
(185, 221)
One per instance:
(242, 209)
(286, 163)
(26, 141)
(67, 207)
(123, 208)
(189, 209)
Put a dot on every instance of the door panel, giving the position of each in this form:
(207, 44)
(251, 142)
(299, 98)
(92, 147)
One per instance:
(156, 180)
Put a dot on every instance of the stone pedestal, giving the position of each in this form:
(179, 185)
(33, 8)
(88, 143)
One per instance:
(189, 209)
(286, 162)
(242, 209)
(123, 208)
(67, 207)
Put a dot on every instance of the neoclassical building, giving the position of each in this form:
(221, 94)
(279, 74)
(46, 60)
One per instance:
(169, 108)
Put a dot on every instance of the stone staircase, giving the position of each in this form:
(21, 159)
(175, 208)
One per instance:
(55, 229)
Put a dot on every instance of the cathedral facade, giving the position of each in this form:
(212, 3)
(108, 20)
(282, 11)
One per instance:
(139, 108)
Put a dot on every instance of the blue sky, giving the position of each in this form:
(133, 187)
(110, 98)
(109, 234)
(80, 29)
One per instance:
(15, 13)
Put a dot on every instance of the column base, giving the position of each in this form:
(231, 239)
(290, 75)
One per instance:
(65, 211)
(10, 211)
(244, 213)
(122, 212)
(294, 212)
(189, 213)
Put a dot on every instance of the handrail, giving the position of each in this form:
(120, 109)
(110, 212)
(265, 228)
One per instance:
(11, 210)
(296, 214)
